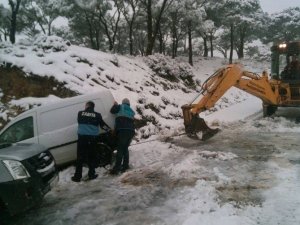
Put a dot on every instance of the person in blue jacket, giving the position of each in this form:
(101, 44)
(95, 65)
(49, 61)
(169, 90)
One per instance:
(124, 128)
(89, 123)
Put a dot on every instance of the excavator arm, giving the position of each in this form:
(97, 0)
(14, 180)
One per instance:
(216, 86)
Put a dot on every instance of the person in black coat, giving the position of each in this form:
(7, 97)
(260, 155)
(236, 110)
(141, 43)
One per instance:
(124, 128)
(89, 122)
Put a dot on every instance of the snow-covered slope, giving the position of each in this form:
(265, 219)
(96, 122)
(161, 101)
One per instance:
(157, 86)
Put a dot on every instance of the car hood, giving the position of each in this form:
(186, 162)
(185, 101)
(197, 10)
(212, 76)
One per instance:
(21, 151)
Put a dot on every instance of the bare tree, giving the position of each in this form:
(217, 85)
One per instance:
(153, 27)
(130, 11)
(44, 13)
(15, 7)
(193, 19)
(176, 14)
(4, 22)
(110, 22)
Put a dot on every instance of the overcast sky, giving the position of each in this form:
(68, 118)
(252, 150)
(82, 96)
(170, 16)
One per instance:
(272, 6)
(269, 6)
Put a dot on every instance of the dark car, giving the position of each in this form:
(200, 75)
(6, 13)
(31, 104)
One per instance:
(27, 173)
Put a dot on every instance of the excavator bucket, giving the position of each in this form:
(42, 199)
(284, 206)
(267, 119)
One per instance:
(194, 124)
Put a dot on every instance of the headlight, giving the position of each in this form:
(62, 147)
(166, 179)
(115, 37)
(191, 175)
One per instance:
(16, 169)
(282, 45)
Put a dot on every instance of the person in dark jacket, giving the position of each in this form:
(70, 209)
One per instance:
(124, 128)
(89, 122)
(292, 70)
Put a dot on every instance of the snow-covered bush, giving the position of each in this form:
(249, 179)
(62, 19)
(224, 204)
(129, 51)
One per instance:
(5, 44)
(52, 43)
(169, 68)
(115, 60)
(148, 130)
(257, 50)
(25, 42)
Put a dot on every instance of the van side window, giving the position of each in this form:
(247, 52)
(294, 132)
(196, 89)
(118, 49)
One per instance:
(18, 131)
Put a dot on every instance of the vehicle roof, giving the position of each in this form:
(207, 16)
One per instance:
(292, 47)
(68, 101)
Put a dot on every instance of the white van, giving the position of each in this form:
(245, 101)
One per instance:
(55, 125)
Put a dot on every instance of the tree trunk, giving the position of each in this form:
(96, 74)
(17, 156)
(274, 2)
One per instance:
(161, 41)
(152, 34)
(97, 35)
(173, 48)
(240, 51)
(6, 35)
(149, 28)
(41, 26)
(205, 54)
(242, 43)
(49, 28)
(190, 43)
(12, 35)
(211, 46)
(174, 34)
(176, 46)
(91, 35)
(231, 43)
(13, 21)
(131, 38)
(115, 31)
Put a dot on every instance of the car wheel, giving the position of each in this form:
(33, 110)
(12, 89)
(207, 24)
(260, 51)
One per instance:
(104, 155)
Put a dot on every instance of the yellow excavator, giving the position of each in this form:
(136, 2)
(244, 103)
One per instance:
(279, 89)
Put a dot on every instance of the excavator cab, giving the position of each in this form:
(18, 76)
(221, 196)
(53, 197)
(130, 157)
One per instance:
(285, 64)
(285, 67)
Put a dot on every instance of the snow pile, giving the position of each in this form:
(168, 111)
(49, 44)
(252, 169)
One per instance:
(259, 51)
(217, 155)
(51, 43)
(166, 66)
(30, 102)
(272, 124)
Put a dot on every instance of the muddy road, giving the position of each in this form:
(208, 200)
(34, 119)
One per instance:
(250, 172)
(247, 174)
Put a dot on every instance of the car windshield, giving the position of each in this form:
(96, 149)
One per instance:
(18, 131)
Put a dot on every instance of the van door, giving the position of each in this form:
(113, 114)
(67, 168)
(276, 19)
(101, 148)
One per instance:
(58, 131)
(23, 130)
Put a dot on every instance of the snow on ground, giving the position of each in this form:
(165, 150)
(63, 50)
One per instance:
(247, 174)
